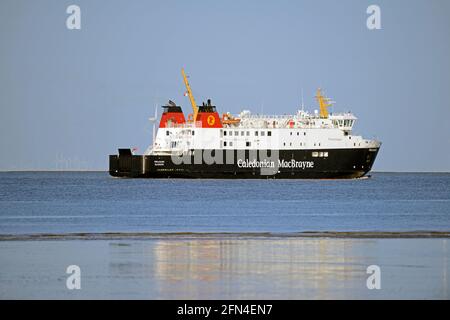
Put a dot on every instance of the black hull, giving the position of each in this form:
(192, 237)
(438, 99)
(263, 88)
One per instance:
(340, 164)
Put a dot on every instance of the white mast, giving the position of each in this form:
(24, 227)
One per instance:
(153, 120)
(303, 106)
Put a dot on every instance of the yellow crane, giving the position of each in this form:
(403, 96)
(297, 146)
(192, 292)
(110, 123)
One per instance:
(189, 92)
(324, 103)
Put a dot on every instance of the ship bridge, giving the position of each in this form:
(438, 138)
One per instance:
(343, 121)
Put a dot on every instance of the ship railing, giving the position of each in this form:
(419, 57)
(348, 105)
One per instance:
(263, 116)
(347, 115)
(197, 124)
(168, 152)
(181, 125)
(281, 117)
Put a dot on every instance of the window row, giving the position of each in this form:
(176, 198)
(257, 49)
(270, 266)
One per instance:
(321, 154)
(345, 123)
(230, 143)
(298, 133)
(290, 144)
(247, 133)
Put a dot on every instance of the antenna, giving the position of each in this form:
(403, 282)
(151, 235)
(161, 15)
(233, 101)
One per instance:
(153, 120)
(303, 106)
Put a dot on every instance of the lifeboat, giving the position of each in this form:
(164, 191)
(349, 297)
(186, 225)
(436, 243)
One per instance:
(227, 118)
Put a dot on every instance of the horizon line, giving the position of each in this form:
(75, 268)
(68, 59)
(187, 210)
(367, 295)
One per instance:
(98, 170)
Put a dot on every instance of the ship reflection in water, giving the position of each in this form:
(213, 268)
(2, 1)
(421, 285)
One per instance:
(258, 268)
(171, 267)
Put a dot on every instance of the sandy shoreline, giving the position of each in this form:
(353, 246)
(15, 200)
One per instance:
(228, 235)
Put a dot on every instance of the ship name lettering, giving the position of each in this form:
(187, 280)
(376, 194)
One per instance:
(295, 164)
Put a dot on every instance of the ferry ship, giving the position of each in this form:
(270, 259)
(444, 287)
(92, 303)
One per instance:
(318, 145)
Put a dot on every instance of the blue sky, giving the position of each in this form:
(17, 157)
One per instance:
(71, 97)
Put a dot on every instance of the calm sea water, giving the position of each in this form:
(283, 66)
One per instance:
(65, 202)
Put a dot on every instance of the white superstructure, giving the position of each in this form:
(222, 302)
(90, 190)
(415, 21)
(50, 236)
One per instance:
(278, 132)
